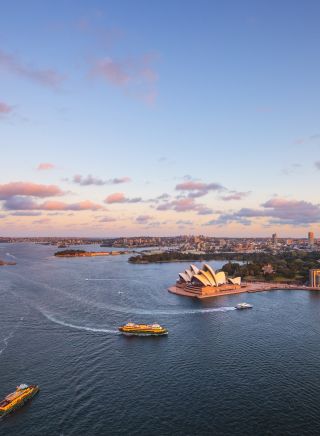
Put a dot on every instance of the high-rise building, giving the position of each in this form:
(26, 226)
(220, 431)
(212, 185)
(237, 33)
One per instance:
(314, 278)
(311, 238)
(274, 239)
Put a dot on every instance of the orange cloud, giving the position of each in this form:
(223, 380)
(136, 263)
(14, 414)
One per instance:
(119, 197)
(60, 205)
(29, 189)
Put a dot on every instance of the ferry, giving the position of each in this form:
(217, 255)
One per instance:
(16, 399)
(143, 329)
(244, 306)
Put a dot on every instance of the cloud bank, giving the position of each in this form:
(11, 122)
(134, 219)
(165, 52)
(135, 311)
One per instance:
(276, 211)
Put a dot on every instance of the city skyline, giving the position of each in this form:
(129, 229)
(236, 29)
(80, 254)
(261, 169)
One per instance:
(158, 119)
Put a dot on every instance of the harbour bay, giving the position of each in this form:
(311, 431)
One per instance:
(219, 371)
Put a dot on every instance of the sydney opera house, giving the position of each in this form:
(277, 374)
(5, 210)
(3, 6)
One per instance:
(201, 283)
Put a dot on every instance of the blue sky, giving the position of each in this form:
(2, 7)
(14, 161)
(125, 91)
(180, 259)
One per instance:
(163, 93)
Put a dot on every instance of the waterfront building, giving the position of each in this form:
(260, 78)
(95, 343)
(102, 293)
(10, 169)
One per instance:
(314, 278)
(310, 238)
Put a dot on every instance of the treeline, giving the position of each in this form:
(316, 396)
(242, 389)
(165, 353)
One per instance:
(175, 256)
(69, 252)
(293, 266)
(289, 266)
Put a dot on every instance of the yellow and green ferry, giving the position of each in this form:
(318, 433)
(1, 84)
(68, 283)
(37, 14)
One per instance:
(16, 399)
(143, 329)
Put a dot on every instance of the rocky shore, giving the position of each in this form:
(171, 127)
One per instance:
(3, 263)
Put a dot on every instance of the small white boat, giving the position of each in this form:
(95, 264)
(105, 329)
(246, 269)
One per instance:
(244, 306)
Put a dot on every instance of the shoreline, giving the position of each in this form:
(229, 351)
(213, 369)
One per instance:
(251, 287)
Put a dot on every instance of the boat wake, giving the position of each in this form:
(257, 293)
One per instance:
(78, 327)
(6, 341)
(180, 311)
(10, 255)
(116, 332)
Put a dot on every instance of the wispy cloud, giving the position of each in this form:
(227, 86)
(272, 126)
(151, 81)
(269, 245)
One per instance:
(5, 109)
(46, 77)
(45, 166)
(134, 75)
(184, 222)
(315, 138)
(42, 221)
(291, 169)
(185, 205)
(143, 219)
(107, 219)
(162, 197)
(22, 213)
(119, 197)
(91, 180)
(235, 195)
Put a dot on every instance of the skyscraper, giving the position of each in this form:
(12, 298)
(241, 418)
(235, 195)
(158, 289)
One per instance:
(274, 239)
(311, 238)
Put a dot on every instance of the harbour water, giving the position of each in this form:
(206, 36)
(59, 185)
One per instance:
(219, 371)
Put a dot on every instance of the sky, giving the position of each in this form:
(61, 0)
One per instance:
(139, 117)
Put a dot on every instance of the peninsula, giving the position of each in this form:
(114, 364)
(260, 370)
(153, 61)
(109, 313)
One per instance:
(205, 282)
(83, 253)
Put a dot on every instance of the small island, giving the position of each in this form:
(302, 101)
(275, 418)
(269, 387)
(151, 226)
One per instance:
(83, 253)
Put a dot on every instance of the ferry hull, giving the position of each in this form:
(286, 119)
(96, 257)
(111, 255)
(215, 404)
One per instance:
(143, 333)
(20, 404)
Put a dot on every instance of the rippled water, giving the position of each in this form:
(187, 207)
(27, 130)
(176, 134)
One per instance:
(219, 371)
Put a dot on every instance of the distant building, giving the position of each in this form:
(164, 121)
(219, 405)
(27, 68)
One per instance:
(314, 278)
(274, 239)
(311, 238)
